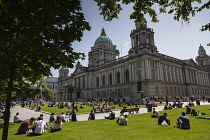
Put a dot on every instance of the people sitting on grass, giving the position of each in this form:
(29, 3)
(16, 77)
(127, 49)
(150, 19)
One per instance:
(155, 113)
(122, 120)
(52, 118)
(188, 109)
(170, 106)
(191, 103)
(111, 115)
(174, 104)
(57, 124)
(163, 118)
(183, 122)
(91, 116)
(194, 113)
(17, 118)
(40, 126)
(26, 125)
(50, 105)
(82, 106)
(38, 108)
(63, 117)
(165, 107)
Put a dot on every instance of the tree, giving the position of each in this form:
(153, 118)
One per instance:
(182, 9)
(36, 35)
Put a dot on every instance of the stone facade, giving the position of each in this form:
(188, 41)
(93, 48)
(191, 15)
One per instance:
(159, 75)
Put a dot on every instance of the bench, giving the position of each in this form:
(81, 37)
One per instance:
(100, 109)
(130, 110)
(179, 105)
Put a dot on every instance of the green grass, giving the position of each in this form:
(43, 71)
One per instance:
(140, 126)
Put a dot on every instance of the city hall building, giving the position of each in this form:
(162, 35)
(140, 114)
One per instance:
(144, 69)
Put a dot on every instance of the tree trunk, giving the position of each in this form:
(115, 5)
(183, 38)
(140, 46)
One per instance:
(7, 108)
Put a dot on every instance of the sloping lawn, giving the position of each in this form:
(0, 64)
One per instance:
(141, 127)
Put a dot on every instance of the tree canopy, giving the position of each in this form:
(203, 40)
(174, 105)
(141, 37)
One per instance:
(181, 9)
(35, 36)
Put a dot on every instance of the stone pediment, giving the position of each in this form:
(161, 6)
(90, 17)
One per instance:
(191, 62)
(78, 70)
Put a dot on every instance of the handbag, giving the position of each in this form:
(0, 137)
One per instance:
(164, 123)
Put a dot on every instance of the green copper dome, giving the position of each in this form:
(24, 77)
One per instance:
(103, 38)
(201, 49)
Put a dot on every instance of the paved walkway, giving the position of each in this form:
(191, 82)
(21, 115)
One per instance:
(26, 113)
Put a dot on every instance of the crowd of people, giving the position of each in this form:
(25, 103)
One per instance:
(37, 126)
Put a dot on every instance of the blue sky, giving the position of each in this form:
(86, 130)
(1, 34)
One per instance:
(172, 37)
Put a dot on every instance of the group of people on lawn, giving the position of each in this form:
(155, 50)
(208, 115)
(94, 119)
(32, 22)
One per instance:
(182, 121)
(37, 126)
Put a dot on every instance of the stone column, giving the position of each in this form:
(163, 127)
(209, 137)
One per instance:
(161, 71)
(123, 75)
(130, 71)
(133, 72)
(114, 76)
(187, 76)
(166, 70)
(157, 69)
(143, 69)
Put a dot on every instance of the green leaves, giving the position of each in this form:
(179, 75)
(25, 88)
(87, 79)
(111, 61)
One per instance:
(182, 9)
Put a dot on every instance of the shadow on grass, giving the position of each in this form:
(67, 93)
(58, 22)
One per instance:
(2, 125)
(19, 133)
(34, 135)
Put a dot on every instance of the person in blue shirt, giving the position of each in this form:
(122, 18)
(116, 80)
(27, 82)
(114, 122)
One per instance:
(183, 121)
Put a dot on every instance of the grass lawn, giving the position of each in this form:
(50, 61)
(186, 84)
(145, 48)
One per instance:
(141, 127)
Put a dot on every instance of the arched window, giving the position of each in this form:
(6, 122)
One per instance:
(97, 81)
(127, 75)
(110, 79)
(118, 77)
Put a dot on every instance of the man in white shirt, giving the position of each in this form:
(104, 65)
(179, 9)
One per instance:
(17, 118)
(40, 126)
(123, 120)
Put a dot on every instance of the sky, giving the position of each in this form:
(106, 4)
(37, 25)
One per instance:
(172, 38)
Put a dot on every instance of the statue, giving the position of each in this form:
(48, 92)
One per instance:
(139, 85)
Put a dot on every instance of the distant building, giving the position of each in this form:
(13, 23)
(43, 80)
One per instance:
(143, 69)
(51, 83)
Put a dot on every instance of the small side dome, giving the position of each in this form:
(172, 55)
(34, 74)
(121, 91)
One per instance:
(103, 38)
